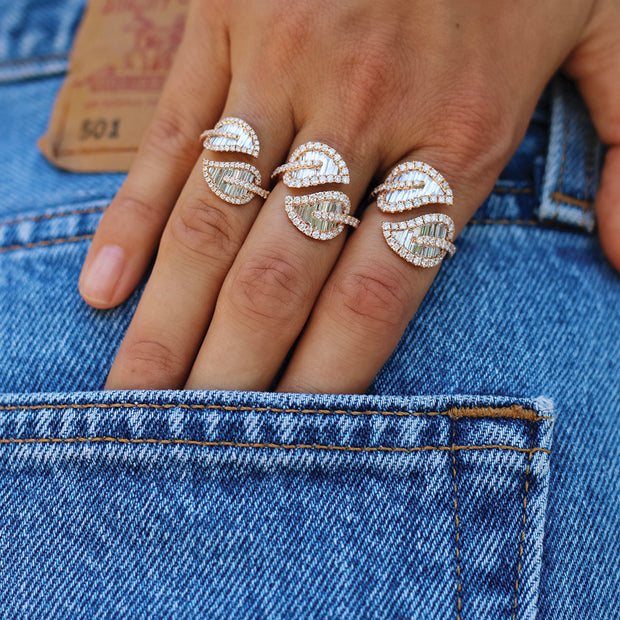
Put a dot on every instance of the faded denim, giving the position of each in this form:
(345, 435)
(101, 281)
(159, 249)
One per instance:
(436, 495)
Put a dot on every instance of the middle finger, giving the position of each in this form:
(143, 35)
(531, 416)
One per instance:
(276, 277)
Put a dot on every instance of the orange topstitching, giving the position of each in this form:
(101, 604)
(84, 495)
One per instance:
(235, 444)
(522, 540)
(459, 601)
(516, 411)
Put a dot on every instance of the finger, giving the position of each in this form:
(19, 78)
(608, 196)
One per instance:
(369, 299)
(198, 246)
(273, 284)
(608, 207)
(595, 65)
(128, 233)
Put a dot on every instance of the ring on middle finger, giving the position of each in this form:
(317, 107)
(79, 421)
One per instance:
(313, 163)
(322, 215)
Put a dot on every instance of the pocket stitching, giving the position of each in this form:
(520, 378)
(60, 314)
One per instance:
(37, 244)
(511, 412)
(234, 444)
(522, 540)
(457, 523)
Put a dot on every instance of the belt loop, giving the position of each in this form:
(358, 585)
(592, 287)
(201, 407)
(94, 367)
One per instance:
(574, 160)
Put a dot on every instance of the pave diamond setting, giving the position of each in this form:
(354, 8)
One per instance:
(231, 135)
(234, 182)
(322, 215)
(313, 163)
(411, 185)
(423, 241)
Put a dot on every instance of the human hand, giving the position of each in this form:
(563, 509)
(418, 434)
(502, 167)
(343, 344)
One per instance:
(450, 83)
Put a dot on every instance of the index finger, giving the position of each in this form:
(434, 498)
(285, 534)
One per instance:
(130, 229)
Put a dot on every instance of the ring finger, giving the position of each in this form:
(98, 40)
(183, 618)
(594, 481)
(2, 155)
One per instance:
(373, 293)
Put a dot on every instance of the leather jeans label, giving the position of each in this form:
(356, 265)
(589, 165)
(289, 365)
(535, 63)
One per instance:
(118, 64)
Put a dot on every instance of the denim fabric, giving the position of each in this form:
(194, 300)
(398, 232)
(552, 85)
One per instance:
(574, 163)
(227, 505)
(433, 496)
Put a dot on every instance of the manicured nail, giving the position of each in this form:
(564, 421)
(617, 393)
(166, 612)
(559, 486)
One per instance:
(99, 282)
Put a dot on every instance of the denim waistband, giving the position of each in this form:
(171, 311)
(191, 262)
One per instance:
(553, 177)
(35, 36)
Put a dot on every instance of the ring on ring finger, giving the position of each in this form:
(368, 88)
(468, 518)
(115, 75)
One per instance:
(425, 240)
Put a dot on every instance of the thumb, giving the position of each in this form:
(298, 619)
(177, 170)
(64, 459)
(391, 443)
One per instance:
(595, 66)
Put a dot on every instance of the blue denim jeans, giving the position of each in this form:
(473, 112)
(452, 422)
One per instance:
(436, 495)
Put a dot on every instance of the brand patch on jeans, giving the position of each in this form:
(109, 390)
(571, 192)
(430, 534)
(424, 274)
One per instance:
(119, 62)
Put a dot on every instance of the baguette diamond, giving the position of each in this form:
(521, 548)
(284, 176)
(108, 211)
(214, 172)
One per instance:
(322, 215)
(231, 134)
(423, 241)
(233, 182)
(411, 185)
(313, 163)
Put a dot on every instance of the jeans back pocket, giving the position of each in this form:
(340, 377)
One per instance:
(245, 505)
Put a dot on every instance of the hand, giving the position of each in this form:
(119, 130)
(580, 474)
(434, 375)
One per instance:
(233, 288)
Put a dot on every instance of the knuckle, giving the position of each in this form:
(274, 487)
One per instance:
(203, 230)
(373, 299)
(360, 111)
(150, 361)
(375, 71)
(173, 135)
(131, 206)
(270, 288)
(476, 132)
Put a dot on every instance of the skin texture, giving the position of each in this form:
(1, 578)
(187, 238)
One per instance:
(233, 289)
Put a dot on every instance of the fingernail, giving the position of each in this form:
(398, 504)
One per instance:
(99, 282)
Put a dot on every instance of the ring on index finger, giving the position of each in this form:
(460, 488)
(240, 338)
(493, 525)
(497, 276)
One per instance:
(234, 182)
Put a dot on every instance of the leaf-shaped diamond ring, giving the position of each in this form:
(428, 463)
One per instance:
(412, 185)
(231, 134)
(423, 241)
(313, 163)
(234, 182)
(320, 216)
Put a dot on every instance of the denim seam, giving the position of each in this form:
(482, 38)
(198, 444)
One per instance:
(49, 216)
(459, 601)
(562, 165)
(235, 444)
(452, 413)
(38, 244)
(20, 62)
(522, 540)
(558, 197)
